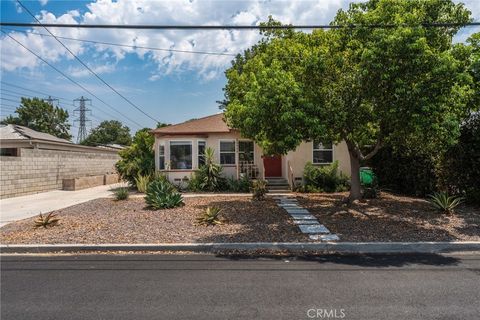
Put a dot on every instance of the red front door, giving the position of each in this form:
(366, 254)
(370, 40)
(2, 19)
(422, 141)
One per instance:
(273, 166)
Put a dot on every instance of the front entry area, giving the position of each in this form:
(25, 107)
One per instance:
(273, 166)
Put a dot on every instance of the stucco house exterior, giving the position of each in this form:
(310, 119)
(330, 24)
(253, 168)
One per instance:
(179, 152)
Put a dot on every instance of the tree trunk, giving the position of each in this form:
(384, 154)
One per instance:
(355, 188)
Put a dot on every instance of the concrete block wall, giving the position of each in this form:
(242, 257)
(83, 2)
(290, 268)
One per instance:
(40, 170)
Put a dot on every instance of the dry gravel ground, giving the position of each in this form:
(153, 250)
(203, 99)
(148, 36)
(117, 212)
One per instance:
(391, 218)
(110, 221)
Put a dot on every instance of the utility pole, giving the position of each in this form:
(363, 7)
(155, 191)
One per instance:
(51, 100)
(81, 110)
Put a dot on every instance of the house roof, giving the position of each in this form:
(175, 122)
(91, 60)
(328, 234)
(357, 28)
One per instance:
(16, 132)
(211, 124)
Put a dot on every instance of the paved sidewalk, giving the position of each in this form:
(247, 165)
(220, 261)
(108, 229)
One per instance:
(17, 208)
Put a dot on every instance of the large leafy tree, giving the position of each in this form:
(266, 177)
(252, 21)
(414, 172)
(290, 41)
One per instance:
(41, 116)
(366, 86)
(109, 132)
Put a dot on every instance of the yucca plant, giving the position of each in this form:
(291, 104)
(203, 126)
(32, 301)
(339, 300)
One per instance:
(209, 217)
(444, 203)
(142, 182)
(161, 194)
(121, 193)
(210, 174)
(259, 189)
(49, 220)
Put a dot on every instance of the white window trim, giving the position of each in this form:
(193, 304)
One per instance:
(332, 149)
(160, 144)
(220, 152)
(246, 140)
(169, 153)
(198, 154)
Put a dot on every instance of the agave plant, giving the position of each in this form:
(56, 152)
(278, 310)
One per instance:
(161, 194)
(445, 203)
(49, 220)
(209, 216)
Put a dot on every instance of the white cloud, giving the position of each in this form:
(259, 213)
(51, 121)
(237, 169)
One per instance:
(43, 2)
(169, 12)
(80, 72)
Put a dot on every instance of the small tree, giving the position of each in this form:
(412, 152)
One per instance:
(109, 132)
(138, 158)
(41, 116)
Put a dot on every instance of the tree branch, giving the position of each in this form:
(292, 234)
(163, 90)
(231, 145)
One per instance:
(377, 147)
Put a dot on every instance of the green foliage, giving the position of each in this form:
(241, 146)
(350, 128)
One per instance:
(239, 185)
(142, 182)
(259, 189)
(121, 193)
(161, 194)
(41, 116)
(209, 176)
(109, 132)
(49, 220)
(209, 217)
(366, 86)
(325, 178)
(406, 171)
(444, 203)
(138, 158)
(460, 169)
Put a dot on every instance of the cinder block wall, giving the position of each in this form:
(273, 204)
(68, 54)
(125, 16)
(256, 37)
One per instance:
(40, 170)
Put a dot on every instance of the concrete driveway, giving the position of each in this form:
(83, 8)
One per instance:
(18, 208)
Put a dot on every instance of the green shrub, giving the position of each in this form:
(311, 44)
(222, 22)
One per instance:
(259, 189)
(443, 202)
(324, 178)
(121, 193)
(209, 176)
(161, 194)
(239, 185)
(209, 216)
(49, 220)
(142, 182)
(137, 159)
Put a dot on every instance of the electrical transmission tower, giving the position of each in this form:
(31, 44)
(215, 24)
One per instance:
(81, 110)
(51, 101)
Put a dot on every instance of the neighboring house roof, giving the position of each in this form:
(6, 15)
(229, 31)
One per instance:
(211, 124)
(16, 132)
(15, 136)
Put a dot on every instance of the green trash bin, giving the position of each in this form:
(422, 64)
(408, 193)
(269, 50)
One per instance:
(367, 177)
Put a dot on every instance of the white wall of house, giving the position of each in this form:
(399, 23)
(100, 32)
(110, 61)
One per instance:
(294, 160)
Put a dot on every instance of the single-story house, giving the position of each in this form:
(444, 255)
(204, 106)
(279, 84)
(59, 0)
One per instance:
(179, 152)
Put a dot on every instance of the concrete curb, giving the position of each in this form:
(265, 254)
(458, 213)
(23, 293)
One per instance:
(327, 247)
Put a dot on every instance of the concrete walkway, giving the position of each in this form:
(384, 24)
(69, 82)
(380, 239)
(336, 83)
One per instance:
(18, 208)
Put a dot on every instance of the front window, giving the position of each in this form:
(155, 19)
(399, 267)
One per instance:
(227, 152)
(322, 153)
(245, 151)
(161, 156)
(201, 153)
(181, 154)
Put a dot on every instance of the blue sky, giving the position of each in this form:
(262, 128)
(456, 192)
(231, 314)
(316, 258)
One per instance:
(172, 87)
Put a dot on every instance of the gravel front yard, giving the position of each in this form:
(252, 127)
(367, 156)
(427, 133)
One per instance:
(109, 221)
(391, 218)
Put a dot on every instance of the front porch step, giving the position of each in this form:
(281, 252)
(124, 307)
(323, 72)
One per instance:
(278, 185)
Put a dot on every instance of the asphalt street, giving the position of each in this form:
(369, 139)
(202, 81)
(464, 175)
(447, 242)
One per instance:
(237, 287)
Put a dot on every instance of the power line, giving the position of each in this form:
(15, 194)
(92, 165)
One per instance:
(88, 68)
(23, 88)
(240, 27)
(69, 78)
(127, 45)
